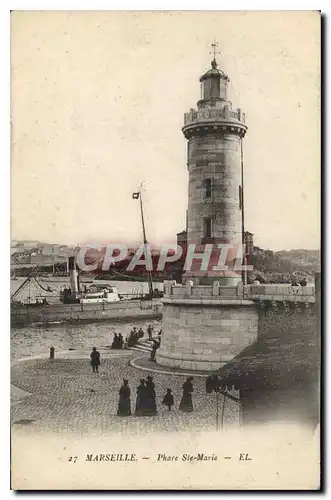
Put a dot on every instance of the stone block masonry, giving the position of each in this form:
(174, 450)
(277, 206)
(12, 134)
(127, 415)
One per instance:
(205, 327)
(205, 337)
(224, 206)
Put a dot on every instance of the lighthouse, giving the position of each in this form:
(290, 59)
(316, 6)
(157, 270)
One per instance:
(214, 133)
(207, 321)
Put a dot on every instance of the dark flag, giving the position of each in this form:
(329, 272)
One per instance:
(135, 196)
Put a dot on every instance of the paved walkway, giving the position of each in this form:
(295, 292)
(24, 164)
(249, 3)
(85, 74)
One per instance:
(65, 395)
(144, 363)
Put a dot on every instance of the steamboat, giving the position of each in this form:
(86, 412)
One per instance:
(81, 299)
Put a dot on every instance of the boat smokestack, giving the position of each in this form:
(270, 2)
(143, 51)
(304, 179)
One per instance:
(73, 275)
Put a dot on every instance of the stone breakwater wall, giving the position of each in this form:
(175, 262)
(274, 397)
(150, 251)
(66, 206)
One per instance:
(72, 313)
(206, 326)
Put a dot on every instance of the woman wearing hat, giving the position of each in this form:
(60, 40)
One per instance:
(124, 404)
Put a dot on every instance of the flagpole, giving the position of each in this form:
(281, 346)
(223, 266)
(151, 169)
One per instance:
(150, 282)
(142, 215)
(244, 272)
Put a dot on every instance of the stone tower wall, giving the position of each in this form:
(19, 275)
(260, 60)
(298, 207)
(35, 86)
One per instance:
(216, 157)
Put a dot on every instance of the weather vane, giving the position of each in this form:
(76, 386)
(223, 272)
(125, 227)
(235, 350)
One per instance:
(214, 45)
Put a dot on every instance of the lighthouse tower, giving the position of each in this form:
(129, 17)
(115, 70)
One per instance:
(215, 133)
(207, 321)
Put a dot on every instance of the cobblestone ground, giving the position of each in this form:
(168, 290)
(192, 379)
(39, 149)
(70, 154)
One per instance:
(67, 396)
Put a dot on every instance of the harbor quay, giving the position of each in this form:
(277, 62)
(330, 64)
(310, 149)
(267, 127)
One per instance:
(80, 313)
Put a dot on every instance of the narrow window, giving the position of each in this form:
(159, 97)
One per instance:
(208, 188)
(207, 228)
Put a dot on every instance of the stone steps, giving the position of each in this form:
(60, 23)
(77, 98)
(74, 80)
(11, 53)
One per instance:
(141, 348)
(144, 346)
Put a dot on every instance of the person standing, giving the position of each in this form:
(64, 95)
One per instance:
(150, 332)
(168, 399)
(151, 397)
(115, 342)
(156, 345)
(120, 341)
(186, 402)
(140, 333)
(95, 360)
(133, 339)
(141, 399)
(124, 404)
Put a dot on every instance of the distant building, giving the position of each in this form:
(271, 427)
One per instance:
(182, 238)
(249, 241)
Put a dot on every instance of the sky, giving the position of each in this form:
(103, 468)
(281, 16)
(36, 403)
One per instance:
(97, 106)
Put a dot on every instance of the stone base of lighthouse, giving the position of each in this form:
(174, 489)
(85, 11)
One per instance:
(205, 327)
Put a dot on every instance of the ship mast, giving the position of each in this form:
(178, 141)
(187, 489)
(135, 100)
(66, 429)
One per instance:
(150, 282)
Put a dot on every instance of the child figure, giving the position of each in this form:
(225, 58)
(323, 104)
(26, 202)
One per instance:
(168, 399)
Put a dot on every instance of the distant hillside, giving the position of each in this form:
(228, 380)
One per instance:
(28, 243)
(303, 258)
(284, 265)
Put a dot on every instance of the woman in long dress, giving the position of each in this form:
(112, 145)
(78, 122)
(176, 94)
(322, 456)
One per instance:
(186, 402)
(151, 397)
(115, 342)
(120, 341)
(124, 404)
(141, 401)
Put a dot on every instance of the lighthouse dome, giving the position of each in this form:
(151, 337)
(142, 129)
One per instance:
(214, 72)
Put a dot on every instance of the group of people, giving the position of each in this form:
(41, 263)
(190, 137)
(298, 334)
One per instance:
(146, 395)
(118, 341)
(145, 401)
(146, 398)
(134, 336)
